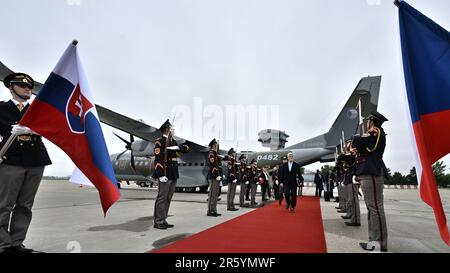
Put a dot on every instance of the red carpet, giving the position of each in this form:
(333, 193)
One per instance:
(270, 229)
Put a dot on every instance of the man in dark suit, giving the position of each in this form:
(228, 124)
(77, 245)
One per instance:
(318, 180)
(21, 168)
(288, 177)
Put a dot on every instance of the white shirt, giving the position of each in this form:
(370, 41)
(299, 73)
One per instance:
(17, 103)
(290, 166)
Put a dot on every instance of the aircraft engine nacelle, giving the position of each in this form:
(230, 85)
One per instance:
(273, 139)
(143, 148)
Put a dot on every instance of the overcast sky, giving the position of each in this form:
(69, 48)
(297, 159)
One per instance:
(143, 58)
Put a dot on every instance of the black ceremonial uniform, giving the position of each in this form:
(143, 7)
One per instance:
(214, 178)
(166, 161)
(232, 182)
(254, 179)
(26, 150)
(244, 181)
(214, 167)
(370, 153)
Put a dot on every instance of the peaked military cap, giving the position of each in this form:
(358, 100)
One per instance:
(377, 116)
(165, 125)
(231, 151)
(20, 78)
(253, 161)
(242, 156)
(214, 141)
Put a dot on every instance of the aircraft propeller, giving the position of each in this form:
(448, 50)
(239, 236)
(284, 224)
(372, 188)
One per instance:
(128, 147)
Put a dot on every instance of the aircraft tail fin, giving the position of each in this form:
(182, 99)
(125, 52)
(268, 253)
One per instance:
(368, 90)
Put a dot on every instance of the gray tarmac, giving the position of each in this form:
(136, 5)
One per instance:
(69, 219)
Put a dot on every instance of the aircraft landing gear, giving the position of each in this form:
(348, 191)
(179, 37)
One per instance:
(190, 189)
(143, 185)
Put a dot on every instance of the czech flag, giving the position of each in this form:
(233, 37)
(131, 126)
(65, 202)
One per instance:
(64, 113)
(426, 65)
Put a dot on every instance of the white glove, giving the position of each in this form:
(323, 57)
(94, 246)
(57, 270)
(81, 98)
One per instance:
(235, 181)
(276, 181)
(247, 182)
(173, 148)
(221, 184)
(163, 179)
(21, 130)
(219, 178)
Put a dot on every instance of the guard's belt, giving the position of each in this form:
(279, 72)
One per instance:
(25, 138)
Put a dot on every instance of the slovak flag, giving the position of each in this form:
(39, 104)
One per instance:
(64, 113)
(426, 65)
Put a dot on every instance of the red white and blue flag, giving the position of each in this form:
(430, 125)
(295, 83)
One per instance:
(426, 65)
(64, 113)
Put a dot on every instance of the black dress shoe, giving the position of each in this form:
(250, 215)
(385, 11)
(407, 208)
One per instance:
(160, 226)
(352, 224)
(342, 211)
(346, 217)
(339, 208)
(364, 246)
(215, 214)
(168, 225)
(244, 206)
(233, 209)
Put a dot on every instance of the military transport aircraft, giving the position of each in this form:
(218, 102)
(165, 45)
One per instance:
(136, 162)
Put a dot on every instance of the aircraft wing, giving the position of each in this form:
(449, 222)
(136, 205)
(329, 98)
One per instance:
(127, 124)
(118, 121)
(138, 128)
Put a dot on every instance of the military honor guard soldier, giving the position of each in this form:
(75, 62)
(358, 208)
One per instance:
(214, 178)
(254, 180)
(232, 179)
(22, 168)
(370, 170)
(351, 188)
(166, 172)
(243, 180)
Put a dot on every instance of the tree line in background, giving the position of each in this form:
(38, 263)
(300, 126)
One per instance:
(396, 178)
